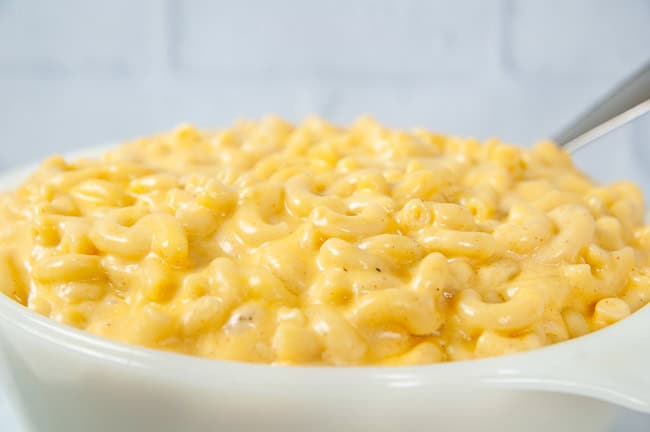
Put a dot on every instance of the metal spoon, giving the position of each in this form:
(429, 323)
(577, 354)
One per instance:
(626, 102)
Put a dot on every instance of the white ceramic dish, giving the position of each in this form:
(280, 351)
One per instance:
(62, 379)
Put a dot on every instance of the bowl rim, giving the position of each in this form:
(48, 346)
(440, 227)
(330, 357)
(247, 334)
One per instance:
(505, 372)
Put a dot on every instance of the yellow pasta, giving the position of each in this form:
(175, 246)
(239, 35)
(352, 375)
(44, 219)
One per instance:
(321, 245)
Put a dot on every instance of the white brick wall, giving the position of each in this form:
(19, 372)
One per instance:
(338, 40)
(77, 73)
(74, 37)
(579, 39)
(74, 73)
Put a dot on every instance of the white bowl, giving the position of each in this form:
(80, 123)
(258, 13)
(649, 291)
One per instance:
(62, 379)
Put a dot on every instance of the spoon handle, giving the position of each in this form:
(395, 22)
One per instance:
(626, 102)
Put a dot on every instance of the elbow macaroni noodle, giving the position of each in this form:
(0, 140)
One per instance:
(316, 244)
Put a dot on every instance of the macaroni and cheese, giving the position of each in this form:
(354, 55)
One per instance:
(317, 244)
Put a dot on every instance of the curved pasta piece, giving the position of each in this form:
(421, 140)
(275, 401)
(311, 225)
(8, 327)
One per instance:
(331, 287)
(100, 192)
(211, 295)
(197, 221)
(168, 240)
(66, 180)
(339, 286)
(226, 280)
(491, 344)
(423, 353)
(267, 198)
(480, 200)
(160, 233)
(609, 233)
(372, 220)
(67, 268)
(150, 325)
(341, 254)
(203, 314)
(124, 170)
(604, 274)
(212, 194)
(610, 310)
(80, 291)
(154, 183)
(295, 344)
(158, 280)
(526, 230)
(342, 344)
(576, 228)
(414, 216)
(416, 313)
(575, 323)
(630, 213)
(497, 274)
(453, 217)
(552, 328)
(364, 198)
(637, 290)
(116, 233)
(422, 184)
(477, 245)
(46, 230)
(431, 276)
(522, 310)
(496, 176)
(301, 199)
(370, 179)
(398, 249)
(279, 257)
(13, 282)
(254, 230)
(261, 283)
(68, 234)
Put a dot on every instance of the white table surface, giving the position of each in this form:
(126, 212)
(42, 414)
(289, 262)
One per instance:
(628, 422)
